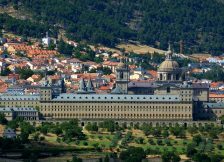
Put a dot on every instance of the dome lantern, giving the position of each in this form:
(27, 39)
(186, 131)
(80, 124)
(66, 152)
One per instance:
(169, 69)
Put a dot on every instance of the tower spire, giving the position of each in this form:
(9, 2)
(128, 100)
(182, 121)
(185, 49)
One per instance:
(169, 47)
(169, 53)
(82, 86)
(90, 87)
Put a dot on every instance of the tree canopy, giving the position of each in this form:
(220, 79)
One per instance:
(133, 154)
(198, 24)
(2, 119)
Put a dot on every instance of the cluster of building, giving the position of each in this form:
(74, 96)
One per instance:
(163, 97)
(20, 55)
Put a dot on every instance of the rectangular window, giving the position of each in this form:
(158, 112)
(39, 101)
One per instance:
(168, 90)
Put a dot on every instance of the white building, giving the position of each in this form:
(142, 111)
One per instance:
(46, 40)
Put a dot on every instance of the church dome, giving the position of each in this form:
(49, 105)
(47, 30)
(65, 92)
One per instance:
(168, 66)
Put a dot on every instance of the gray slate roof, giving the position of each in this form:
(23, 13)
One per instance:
(17, 109)
(90, 87)
(134, 84)
(5, 109)
(20, 97)
(117, 90)
(218, 105)
(82, 86)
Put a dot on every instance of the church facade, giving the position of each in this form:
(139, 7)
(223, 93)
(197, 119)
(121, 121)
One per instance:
(170, 99)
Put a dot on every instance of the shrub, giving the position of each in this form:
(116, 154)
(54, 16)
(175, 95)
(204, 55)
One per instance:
(184, 142)
(133, 154)
(85, 143)
(219, 146)
(58, 139)
(42, 138)
(159, 142)
(151, 142)
(139, 140)
(77, 142)
(151, 151)
(168, 143)
(100, 137)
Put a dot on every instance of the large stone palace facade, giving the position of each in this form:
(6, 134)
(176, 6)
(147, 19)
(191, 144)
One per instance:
(169, 99)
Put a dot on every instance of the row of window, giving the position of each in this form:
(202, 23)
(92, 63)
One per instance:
(121, 109)
(66, 115)
(114, 98)
(27, 113)
(18, 99)
(212, 111)
(113, 106)
(185, 91)
(112, 102)
(15, 103)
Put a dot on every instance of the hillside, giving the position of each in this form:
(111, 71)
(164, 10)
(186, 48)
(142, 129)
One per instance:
(199, 24)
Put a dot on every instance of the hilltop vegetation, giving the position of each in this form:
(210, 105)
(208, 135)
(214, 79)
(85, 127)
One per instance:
(199, 24)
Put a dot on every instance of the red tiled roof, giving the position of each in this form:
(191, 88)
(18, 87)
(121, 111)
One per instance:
(104, 88)
(213, 95)
(55, 77)
(41, 53)
(196, 70)
(153, 73)
(215, 84)
(21, 47)
(88, 75)
(109, 63)
(3, 88)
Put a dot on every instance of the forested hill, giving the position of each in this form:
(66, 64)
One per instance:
(198, 23)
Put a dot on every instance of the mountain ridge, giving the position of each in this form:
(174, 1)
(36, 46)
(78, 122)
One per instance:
(198, 24)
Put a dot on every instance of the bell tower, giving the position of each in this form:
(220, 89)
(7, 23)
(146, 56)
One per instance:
(122, 77)
(45, 93)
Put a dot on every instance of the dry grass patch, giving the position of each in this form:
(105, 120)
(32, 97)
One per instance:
(184, 157)
(138, 133)
(139, 49)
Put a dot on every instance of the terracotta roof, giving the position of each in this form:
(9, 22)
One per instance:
(3, 88)
(88, 75)
(36, 76)
(196, 70)
(89, 63)
(55, 77)
(75, 87)
(75, 60)
(41, 53)
(132, 66)
(213, 95)
(111, 76)
(21, 47)
(115, 55)
(215, 84)
(104, 88)
(110, 63)
(153, 73)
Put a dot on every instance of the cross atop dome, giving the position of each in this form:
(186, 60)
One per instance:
(169, 53)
